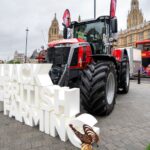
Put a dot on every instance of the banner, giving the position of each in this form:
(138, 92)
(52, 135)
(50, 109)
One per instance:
(113, 8)
(67, 18)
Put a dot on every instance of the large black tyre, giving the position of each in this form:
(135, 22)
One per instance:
(98, 88)
(125, 78)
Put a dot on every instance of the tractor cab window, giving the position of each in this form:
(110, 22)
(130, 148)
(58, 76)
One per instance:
(92, 32)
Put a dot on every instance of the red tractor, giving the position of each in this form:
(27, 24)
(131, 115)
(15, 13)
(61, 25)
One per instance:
(88, 61)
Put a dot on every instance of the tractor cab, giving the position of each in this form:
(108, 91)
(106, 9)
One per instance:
(83, 41)
(99, 33)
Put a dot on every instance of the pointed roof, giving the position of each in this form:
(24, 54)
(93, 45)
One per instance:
(54, 23)
(55, 17)
(134, 4)
(135, 15)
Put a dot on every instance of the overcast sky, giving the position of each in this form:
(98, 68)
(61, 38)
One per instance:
(17, 15)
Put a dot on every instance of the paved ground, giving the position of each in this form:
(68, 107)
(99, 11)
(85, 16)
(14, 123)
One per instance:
(127, 128)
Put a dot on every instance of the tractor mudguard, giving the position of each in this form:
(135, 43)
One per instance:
(104, 57)
(120, 54)
(122, 58)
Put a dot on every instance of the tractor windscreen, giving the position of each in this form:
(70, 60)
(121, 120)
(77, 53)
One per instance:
(92, 32)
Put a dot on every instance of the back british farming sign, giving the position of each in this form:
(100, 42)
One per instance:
(28, 95)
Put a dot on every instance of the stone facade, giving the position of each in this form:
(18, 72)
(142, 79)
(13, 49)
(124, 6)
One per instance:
(135, 16)
(19, 57)
(53, 33)
(137, 28)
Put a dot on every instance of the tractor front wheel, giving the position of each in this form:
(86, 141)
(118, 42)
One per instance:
(98, 88)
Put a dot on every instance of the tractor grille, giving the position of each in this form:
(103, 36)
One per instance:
(59, 55)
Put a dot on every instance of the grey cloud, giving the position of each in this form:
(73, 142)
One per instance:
(16, 15)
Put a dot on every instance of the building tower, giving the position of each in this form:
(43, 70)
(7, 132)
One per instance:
(53, 33)
(135, 16)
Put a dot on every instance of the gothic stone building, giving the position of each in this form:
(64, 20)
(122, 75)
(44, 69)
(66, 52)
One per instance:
(19, 57)
(53, 33)
(137, 28)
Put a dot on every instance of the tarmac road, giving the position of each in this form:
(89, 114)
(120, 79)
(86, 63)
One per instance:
(127, 128)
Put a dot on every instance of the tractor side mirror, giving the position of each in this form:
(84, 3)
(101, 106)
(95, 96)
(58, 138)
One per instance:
(114, 25)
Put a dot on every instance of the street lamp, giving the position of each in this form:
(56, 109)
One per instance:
(94, 9)
(27, 30)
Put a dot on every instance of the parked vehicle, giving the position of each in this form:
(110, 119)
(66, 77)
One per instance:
(144, 46)
(135, 60)
(88, 61)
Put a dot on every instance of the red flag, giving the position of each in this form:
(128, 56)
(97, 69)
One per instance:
(67, 18)
(113, 8)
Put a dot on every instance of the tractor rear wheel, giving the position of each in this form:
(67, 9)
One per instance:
(98, 88)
